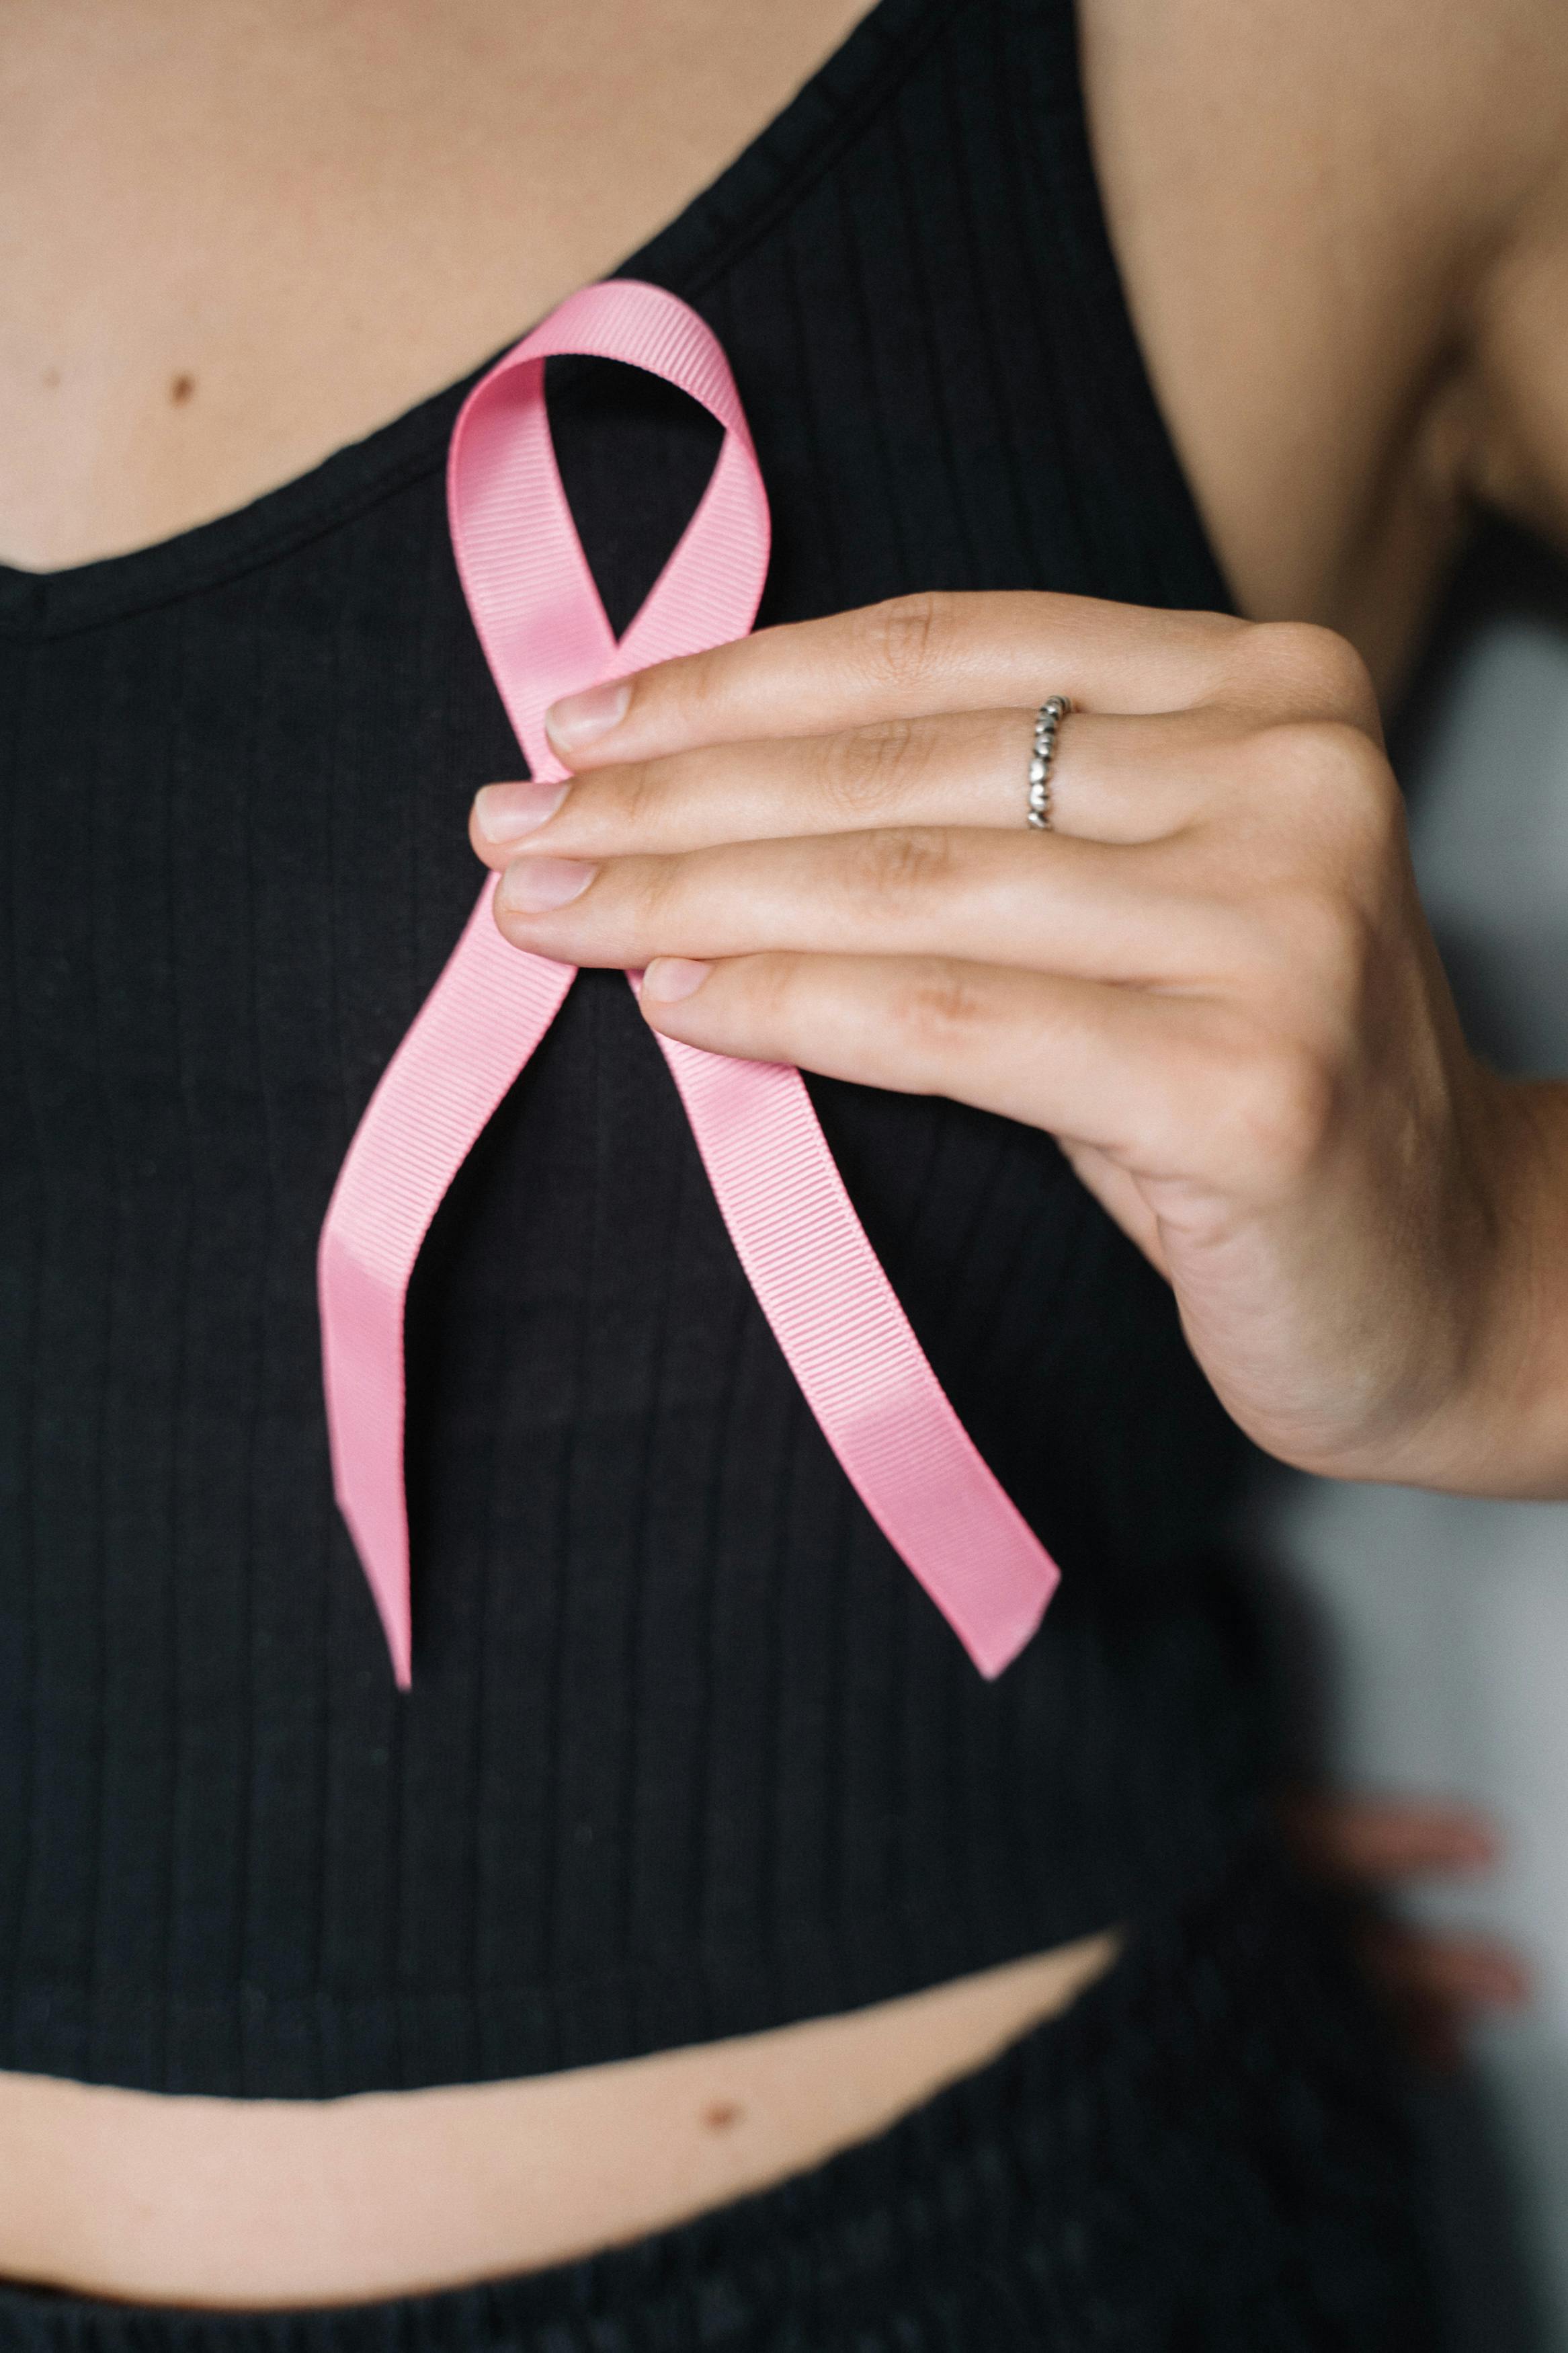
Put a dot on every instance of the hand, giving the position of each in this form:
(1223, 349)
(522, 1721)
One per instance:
(1437, 1980)
(1213, 982)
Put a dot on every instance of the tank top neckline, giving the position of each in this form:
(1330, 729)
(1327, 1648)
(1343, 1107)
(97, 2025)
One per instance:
(735, 210)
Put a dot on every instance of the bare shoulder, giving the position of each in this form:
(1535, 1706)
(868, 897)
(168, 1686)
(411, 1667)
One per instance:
(1519, 337)
(1339, 226)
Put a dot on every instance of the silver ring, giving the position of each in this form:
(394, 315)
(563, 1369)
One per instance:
(1042, 759)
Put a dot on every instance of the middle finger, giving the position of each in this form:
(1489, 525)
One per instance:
(1116, 780)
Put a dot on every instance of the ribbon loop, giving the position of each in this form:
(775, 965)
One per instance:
(832, 1310)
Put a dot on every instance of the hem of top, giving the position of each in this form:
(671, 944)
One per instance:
(1117, 2018)
(745, 200)
(320, 2046)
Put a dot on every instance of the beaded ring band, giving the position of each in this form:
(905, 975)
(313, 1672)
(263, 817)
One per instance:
(1042, 759)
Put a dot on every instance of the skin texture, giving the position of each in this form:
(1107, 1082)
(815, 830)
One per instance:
(234, 237)
(1343, 236)
(280, 2202)
(1212, 984)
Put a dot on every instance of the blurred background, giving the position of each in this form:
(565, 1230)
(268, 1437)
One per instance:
(1435, 1630)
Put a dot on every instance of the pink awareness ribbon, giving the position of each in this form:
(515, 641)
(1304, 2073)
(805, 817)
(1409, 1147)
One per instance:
(832, 1309)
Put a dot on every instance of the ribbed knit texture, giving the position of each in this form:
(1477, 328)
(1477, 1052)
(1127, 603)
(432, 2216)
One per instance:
(687, 1751)
(1209, 2153)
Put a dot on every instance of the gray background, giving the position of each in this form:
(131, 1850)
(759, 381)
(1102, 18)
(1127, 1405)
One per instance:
(1441, 1624)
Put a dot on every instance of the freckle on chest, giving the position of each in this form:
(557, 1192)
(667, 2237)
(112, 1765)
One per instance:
(181, 389)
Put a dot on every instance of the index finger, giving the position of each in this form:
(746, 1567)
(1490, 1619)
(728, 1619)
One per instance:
(912, 658)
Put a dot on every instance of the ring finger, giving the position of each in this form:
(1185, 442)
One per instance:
(1062, 906)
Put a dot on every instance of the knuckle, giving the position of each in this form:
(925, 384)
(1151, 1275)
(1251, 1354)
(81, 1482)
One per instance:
(1313, 666)
(1280, 1095)
(1361, 797)
(770, 987)
(866, 767)
(1328, 941)
(657, 890)
(939, 1012)
(902, 639)
(1351, 798)
(1333, 769)
(1312, 964)
(636, 791)
(900, 861)
(677, 698)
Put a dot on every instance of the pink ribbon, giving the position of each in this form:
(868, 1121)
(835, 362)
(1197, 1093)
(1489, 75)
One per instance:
(832, 1310)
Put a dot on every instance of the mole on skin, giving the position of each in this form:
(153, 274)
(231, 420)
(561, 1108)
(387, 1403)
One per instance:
(181, 389)
(721, 2116)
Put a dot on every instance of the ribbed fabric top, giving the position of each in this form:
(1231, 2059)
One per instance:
(687, 1752)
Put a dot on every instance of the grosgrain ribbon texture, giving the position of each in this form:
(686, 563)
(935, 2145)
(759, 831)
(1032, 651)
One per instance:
(831, 1308)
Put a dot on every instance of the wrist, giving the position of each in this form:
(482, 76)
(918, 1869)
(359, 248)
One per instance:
(1498, 1424)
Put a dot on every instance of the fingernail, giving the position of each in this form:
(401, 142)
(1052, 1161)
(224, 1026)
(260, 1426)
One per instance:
(579, 719)
(535, 885)
(669, 978)
(506, 812)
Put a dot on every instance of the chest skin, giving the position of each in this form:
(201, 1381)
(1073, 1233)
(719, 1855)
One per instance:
(231, 240)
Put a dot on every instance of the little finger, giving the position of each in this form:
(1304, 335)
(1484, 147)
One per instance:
(1111, 1067)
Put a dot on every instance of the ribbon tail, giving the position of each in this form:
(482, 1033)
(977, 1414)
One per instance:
(849, 1345)
(473, 1034)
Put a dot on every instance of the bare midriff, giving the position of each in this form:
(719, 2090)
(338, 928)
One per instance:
(254, 2203)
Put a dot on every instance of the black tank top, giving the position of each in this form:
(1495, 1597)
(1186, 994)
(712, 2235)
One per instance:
(687, 1751)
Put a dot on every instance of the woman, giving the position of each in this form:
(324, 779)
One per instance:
(702, 1953)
